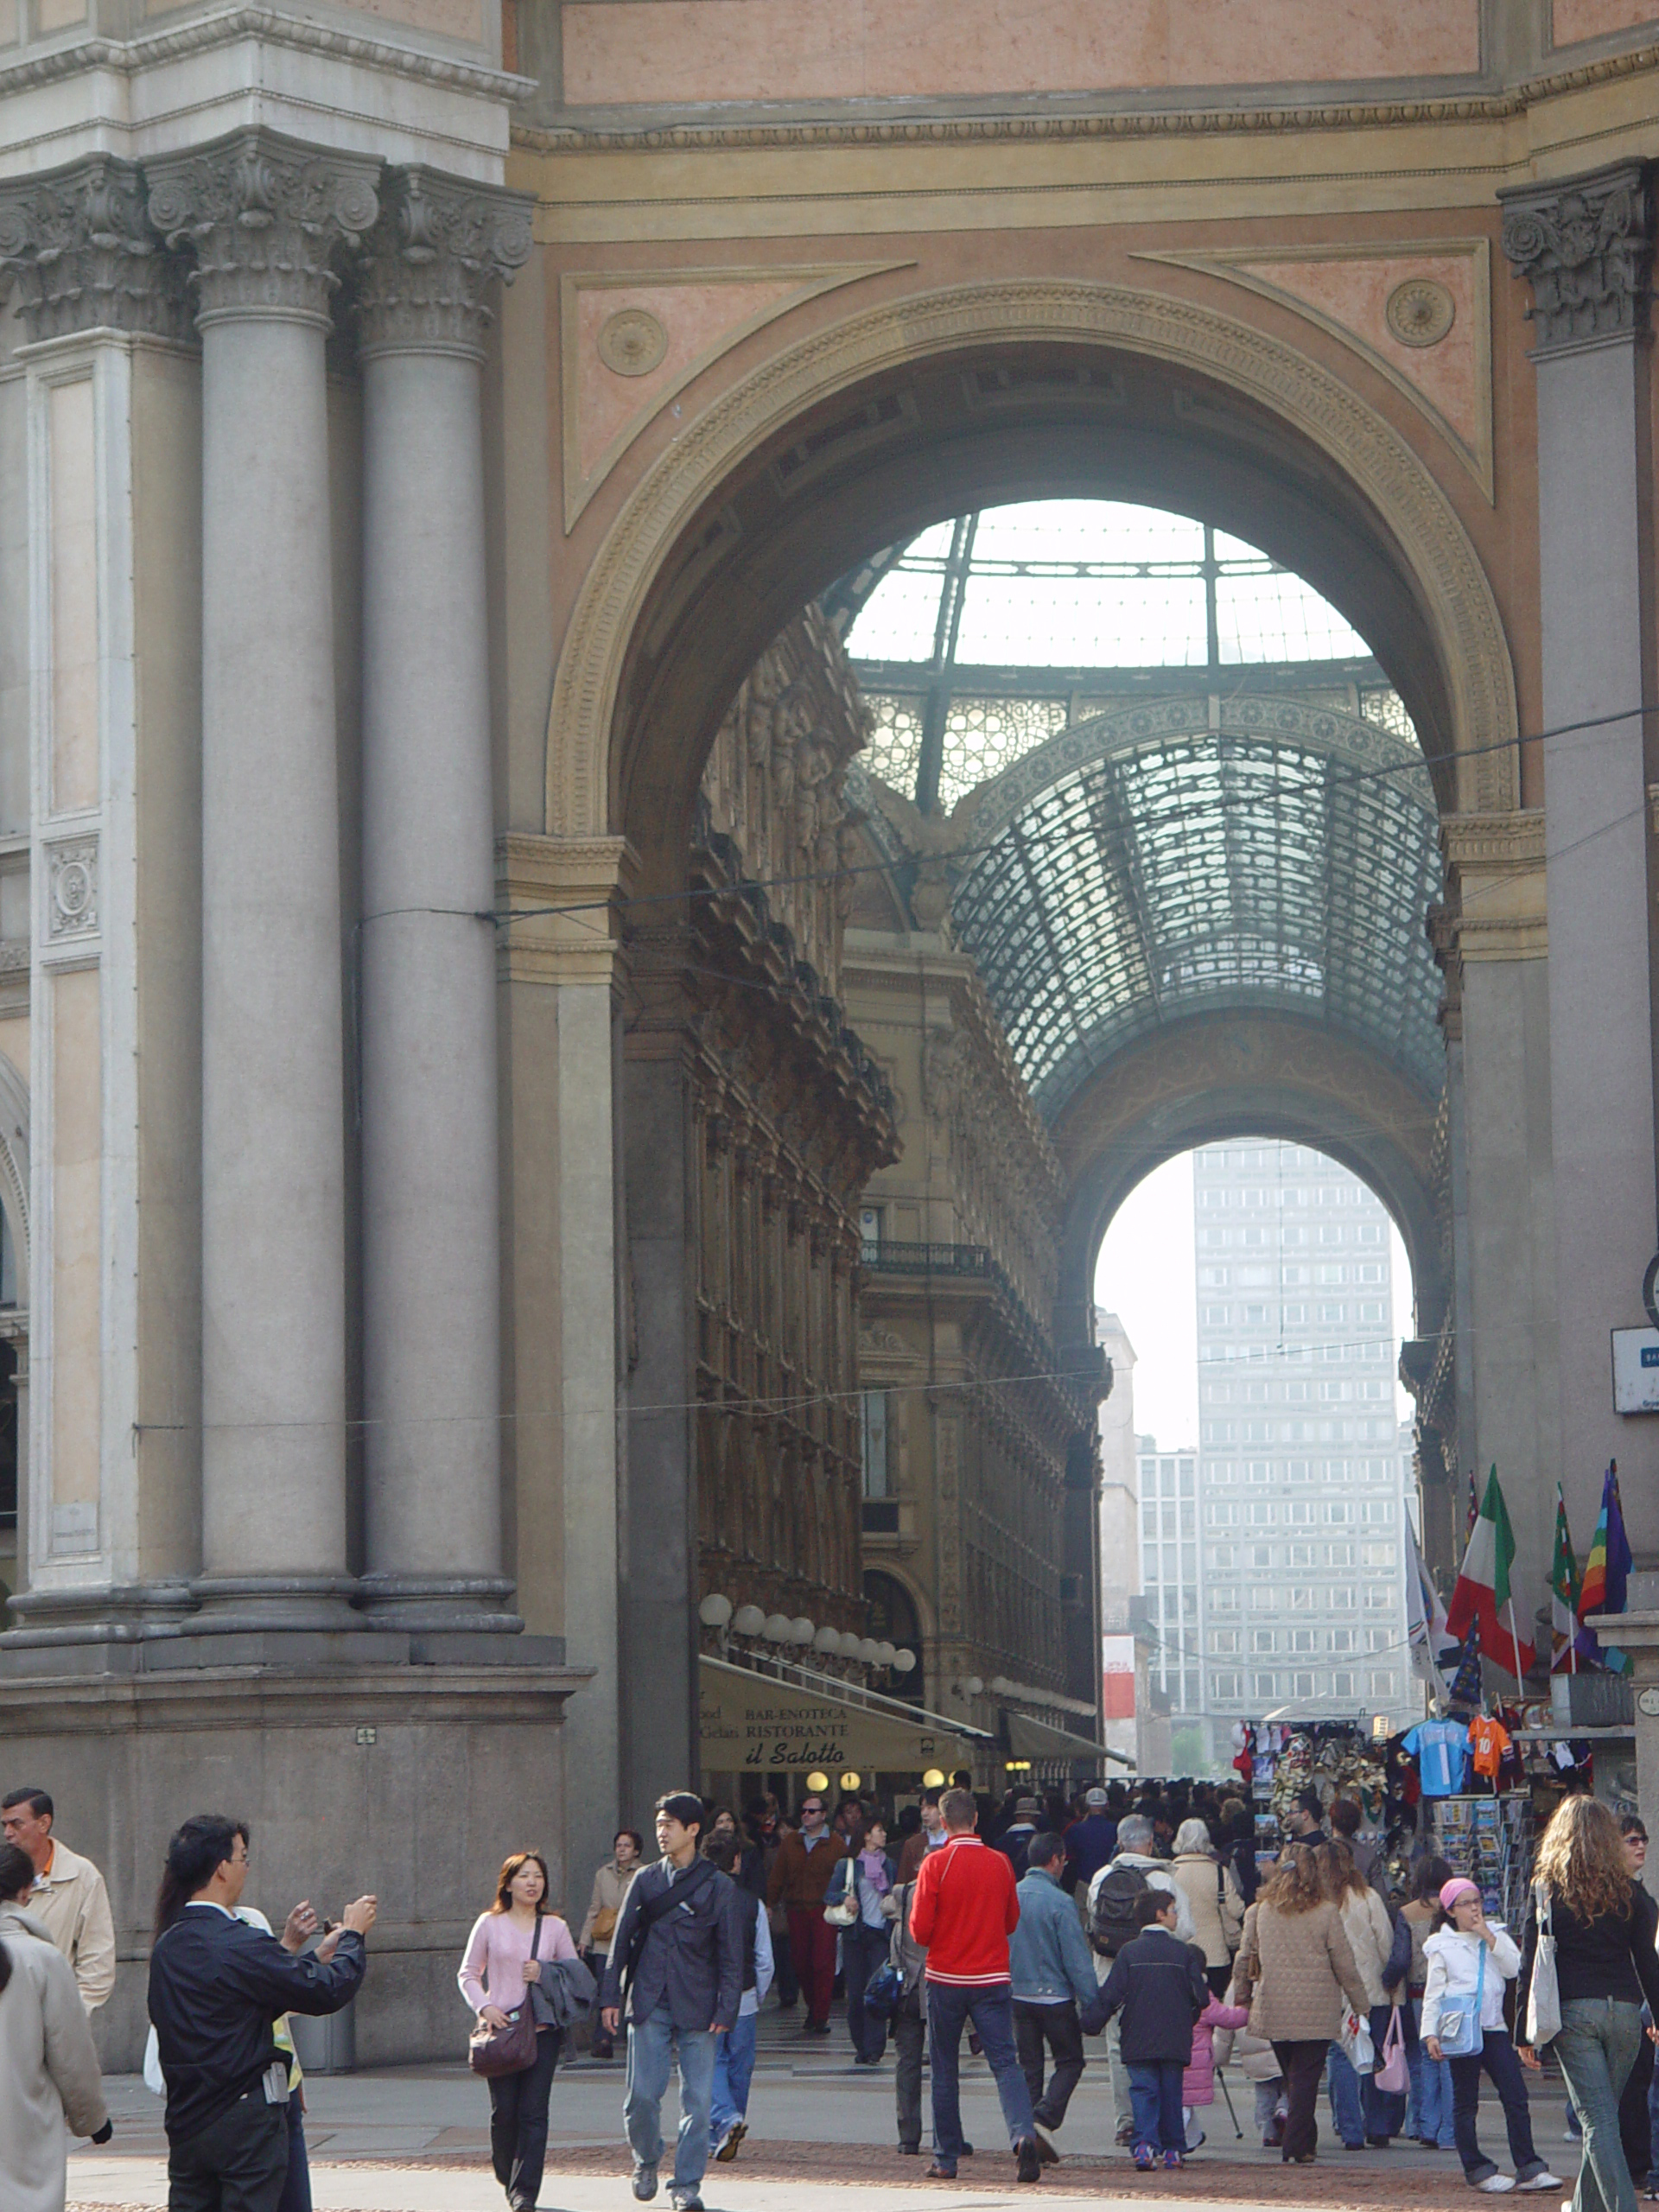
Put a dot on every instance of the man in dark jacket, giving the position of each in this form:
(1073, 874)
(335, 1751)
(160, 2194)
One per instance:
(1158, 1983)
(217, 1987)
(679, 1950)
(1091, 1841)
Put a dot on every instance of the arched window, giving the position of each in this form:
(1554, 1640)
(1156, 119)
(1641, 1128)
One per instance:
(893, 1620)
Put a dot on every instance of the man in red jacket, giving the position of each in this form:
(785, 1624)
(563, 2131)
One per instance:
(962, 1913)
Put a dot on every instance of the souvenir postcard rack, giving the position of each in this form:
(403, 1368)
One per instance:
(1490, 1840)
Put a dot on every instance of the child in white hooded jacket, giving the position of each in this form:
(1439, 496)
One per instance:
(1455, 1953)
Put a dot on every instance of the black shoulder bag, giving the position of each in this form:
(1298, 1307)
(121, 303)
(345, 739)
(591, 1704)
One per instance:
(697, 1877)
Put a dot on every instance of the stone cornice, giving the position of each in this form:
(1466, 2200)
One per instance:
(1583, 244)
(1494, 841)
(666, 134)
(78, 250)
(151, 48)
(266, 215)
(432, 259)
(1497, 902)
(585, 880)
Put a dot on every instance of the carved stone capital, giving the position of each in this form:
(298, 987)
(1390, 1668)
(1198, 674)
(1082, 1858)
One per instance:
(439, 247)
(266, 217)
(1583, 244)
(77, 246)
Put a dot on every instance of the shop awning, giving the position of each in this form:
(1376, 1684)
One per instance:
(755, 1724)
(1040, 1740)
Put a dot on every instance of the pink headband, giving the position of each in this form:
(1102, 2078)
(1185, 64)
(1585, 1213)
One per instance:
(1455, 1892)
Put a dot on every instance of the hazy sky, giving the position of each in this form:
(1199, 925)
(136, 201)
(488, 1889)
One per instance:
(1146, 1277)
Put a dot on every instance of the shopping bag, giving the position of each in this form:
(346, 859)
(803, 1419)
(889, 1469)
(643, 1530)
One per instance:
(1393, 2077)
(1460, 2034)
(1356, 2045)
(1544, 1998)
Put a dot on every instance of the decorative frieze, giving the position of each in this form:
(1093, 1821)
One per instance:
(437, 251)
(72, 888)
(77, 249)
(266, 218)
(1584, 246)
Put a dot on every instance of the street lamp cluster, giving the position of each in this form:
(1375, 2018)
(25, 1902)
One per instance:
(716, 1611)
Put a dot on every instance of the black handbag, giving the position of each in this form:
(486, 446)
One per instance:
(511, 2050)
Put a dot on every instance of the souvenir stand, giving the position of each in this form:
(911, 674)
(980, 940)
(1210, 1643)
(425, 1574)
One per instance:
(1335, 1757)
(1488, 1839)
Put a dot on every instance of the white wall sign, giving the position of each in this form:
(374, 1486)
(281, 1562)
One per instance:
(1636, 1371)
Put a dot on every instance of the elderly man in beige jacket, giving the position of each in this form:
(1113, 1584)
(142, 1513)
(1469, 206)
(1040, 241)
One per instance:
(69, 1899)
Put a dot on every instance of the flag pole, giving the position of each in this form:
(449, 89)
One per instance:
(1514, 1652)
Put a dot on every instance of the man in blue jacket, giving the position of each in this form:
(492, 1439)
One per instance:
(677, 1957)
(1054, 1988)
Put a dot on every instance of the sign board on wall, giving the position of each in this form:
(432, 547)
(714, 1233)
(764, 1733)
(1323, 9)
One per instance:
(1636, 1371)
(752, 1724)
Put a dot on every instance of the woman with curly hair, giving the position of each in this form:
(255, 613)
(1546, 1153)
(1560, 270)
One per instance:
(1604, 1925)
(1297, 1958)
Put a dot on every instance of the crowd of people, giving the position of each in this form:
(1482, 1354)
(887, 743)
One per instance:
(1030, 1930)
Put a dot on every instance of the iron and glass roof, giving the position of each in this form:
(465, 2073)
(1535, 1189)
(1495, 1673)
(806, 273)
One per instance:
(1150, 830)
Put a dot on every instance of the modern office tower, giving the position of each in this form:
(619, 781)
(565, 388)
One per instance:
(1302, 1478)
(1172, 1598)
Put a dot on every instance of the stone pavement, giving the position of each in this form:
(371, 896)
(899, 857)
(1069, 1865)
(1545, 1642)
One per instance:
(416, 2139)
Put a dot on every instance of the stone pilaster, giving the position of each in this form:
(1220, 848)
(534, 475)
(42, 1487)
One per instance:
(1583, 244)
(426, 943)
(264, 220)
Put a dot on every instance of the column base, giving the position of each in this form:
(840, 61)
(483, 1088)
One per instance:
(472, 1604)
(101, 1613)
(233, 1603)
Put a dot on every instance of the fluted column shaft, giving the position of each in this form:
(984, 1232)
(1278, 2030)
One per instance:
(427, 941)
(264, 218)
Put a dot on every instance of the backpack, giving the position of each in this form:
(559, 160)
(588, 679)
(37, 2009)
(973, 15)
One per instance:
(1111, 1911)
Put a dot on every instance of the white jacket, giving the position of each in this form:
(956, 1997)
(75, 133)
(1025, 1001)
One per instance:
(1369, 1931)
(1454, 1967)
(1159, 1876)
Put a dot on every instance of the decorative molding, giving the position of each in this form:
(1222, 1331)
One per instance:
(1238, 265)
(1420, 312)
(633, 343)
(559, 906)
(1458, 597)
(72, 888)
(798, 282)
(1583, 244)
(1491, 841)
(232, 26)
(431, 261)
(1496, 892)
(265, 216)
(1056, 122)
(78, 247)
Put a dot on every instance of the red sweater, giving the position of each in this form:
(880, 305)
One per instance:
(963, 1911)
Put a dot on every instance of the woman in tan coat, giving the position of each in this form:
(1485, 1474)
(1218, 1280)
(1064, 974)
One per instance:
(1301, 1967)
(1212, 1890)
(48, 2069)
(611, 1885)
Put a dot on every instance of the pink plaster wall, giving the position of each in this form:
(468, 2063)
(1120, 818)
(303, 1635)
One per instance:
(622, 51)
(1577, 19)
(694, 318)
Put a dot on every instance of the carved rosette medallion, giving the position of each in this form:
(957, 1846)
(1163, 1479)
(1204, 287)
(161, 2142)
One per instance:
(1420, 312)
(72, 888)
(1584, 246)
(632, 342)
(265, 217)
(432, 259)
(78, 250)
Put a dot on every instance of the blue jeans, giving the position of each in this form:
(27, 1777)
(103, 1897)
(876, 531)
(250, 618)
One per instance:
(1430, 2118)
(653, 2044)
(734, 2070)
(949, 2009)
(1359, 2108)
(1156, 2093)
(1596, 2049)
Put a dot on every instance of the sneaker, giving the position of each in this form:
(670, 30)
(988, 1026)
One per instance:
(1173, 2162)
(645, 2183)
(910, 2150)
(1195, 2136)
(1045, 2150)
(1144, 2155)
(936, 2172)
(1544, 2180)
(730, 2141)
(1126, 2134)
(1028, 2159)
(1496, 2184)
(685, 2200)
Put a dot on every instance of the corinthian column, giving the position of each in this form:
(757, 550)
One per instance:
(265, 217)
(430, 1173)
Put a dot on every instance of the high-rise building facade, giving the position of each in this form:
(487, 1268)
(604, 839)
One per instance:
(1300, 1485)
(1172, 1604)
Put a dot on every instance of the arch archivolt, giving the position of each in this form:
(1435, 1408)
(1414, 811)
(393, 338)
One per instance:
(1455, 594)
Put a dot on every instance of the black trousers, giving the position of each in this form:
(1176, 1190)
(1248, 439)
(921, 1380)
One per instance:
(239, 2165)
(1038, 2029)
(909, 2040)
(1635, 2127)
(518, 2121)
(1301, 2064)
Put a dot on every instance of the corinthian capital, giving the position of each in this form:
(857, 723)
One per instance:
(440, 245)
(1583, 246)
(78, 248)
(266, 217)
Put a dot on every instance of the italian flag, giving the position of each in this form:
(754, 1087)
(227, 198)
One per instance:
(1483, 1591)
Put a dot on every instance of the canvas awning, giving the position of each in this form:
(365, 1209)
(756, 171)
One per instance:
(755, 1724)
(1040, 1740)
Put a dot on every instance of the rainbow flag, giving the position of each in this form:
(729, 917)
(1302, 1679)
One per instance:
(1606, 1574)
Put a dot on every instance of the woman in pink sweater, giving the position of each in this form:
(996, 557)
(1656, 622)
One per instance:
(512, 1946)
(1198, 2082)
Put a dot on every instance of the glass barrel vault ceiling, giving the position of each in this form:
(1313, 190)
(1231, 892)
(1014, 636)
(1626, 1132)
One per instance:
(1206, 795)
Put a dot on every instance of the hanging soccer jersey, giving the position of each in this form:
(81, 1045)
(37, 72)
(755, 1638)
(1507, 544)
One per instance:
(1488, 1740)
(1441, 1751)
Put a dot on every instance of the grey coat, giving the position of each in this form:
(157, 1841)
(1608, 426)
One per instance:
(48, 2069)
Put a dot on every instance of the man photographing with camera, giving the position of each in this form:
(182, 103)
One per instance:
(217, 1986)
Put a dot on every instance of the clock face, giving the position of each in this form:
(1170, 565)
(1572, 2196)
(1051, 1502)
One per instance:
(1648, 1702)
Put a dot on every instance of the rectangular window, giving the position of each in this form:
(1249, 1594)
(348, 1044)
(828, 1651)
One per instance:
(1379, 1511)
(1263, 1639)
(1341, 1685)
(1302, 1686)
(1257, 1556)
(1226, 1686)
(1224, 1601)
(1263, 1600)
(1265, 1688)
(1379, 1596)
(1263, 1512)
(1303, 1598)
(1379, 1555)
(1384, 1686)
(874, 1433)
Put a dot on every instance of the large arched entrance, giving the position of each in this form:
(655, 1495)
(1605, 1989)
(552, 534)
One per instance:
(859, 439)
